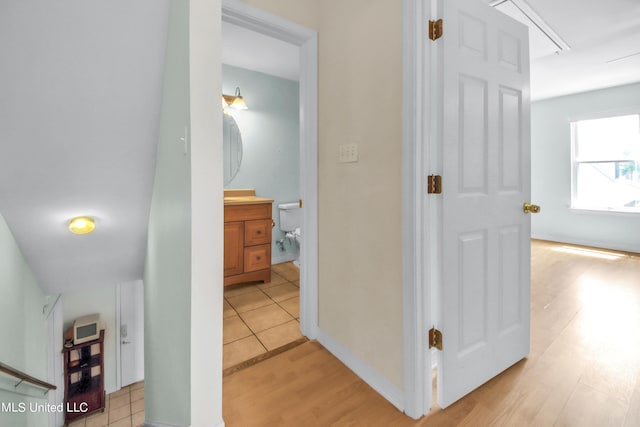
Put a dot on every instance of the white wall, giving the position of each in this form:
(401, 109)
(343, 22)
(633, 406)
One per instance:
(183, 271)
(101, 301)
(23, 333)
(551, 172)
(167, 281)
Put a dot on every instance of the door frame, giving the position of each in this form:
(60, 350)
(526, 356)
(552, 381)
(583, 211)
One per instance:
(262, 22)
(417, 163)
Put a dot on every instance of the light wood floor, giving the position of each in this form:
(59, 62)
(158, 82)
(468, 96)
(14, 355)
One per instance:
(583, 369)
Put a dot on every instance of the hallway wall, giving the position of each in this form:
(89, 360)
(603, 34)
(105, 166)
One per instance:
(360, 204)
(23, 335)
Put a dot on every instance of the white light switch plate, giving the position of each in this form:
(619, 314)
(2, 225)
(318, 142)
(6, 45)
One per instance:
(348, 153)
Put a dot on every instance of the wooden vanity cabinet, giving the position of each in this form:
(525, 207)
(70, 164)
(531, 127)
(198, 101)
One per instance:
(247, 243)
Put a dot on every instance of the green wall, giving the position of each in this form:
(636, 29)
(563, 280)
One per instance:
(167, 272)
(23, 335)
(270, 131)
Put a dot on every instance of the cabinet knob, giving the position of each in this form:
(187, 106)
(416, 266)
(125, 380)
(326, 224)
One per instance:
(259, 232)
(258, 258)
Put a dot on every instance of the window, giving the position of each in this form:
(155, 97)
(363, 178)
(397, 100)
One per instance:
(606, 164)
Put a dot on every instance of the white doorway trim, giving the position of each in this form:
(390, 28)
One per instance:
(254, 19)
(417, 132)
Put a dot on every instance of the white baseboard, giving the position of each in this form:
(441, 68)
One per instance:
(379, 383)
(279, 259)
(147, 424)
(584, 242)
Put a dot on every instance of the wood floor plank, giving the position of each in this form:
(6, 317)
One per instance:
(583, 369)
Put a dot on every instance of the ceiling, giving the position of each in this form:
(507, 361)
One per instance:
(80, 91)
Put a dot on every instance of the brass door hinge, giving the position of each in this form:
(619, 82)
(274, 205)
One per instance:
(434, 184)
(435, 338)
(300, 203)
(435, 29)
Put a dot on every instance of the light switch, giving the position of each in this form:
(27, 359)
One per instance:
(348, 153)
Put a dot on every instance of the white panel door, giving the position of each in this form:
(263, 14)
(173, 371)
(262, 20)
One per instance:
(131, 332)
(486, 180)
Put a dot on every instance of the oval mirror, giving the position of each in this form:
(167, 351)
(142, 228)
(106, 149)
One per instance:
(232, 148)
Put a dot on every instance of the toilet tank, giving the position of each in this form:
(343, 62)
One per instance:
(289, 216)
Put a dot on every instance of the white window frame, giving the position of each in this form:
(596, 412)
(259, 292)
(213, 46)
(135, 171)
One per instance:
(574, 163)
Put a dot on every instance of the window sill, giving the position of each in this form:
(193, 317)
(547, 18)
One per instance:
(594, 211)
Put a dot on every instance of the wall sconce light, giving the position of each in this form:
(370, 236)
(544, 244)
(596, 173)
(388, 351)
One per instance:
(82, 225)
(234, 101)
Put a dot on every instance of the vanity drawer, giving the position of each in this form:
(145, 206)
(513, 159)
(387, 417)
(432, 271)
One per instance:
(247, 212)
(257, 257)
(257, 232)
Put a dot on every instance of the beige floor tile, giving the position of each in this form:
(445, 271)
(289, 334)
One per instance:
(98, 420)
(249, 301)
(280, 335)
(79, 423)
(282, 292)
(137, 394)
(122, 392)
(121, 400)
(137, 419)
(240, 289)
(287, 270)
(234, 329)
(125, 422)
(265, 317)
(228, 311)
(137, 385)
(116, 414)
(241, 350)
(292, 306)
(276, 280)
(137, 406)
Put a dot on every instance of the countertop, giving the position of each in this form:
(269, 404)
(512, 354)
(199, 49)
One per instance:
(243, 197)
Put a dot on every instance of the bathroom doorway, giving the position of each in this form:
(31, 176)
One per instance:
(260, 317)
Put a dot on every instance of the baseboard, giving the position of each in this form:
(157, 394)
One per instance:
(379, 383)
(584, 242)
(148, 424)
(279, 259)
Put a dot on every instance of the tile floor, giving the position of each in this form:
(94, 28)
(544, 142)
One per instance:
(260, 317)
(124, 408)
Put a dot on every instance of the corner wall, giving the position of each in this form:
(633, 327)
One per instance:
(551, 172)
(360, 204)
(167, 281)
(183, 271)
(23, 335)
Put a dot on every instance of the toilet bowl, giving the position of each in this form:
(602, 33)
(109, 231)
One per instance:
(290, 223)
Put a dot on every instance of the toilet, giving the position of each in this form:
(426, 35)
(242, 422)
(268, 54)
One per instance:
(290, 219)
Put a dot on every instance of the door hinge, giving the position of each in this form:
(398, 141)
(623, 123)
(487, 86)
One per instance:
(435, 338)
(434, 184)
(435, 29)
(300, 203)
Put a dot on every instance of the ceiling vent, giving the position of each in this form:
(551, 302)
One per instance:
(543, 40)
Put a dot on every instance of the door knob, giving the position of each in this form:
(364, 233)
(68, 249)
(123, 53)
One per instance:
(529, 208)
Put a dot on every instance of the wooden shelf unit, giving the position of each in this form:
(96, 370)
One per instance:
(84, 379)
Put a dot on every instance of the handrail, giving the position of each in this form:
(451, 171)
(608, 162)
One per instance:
(24, 377)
